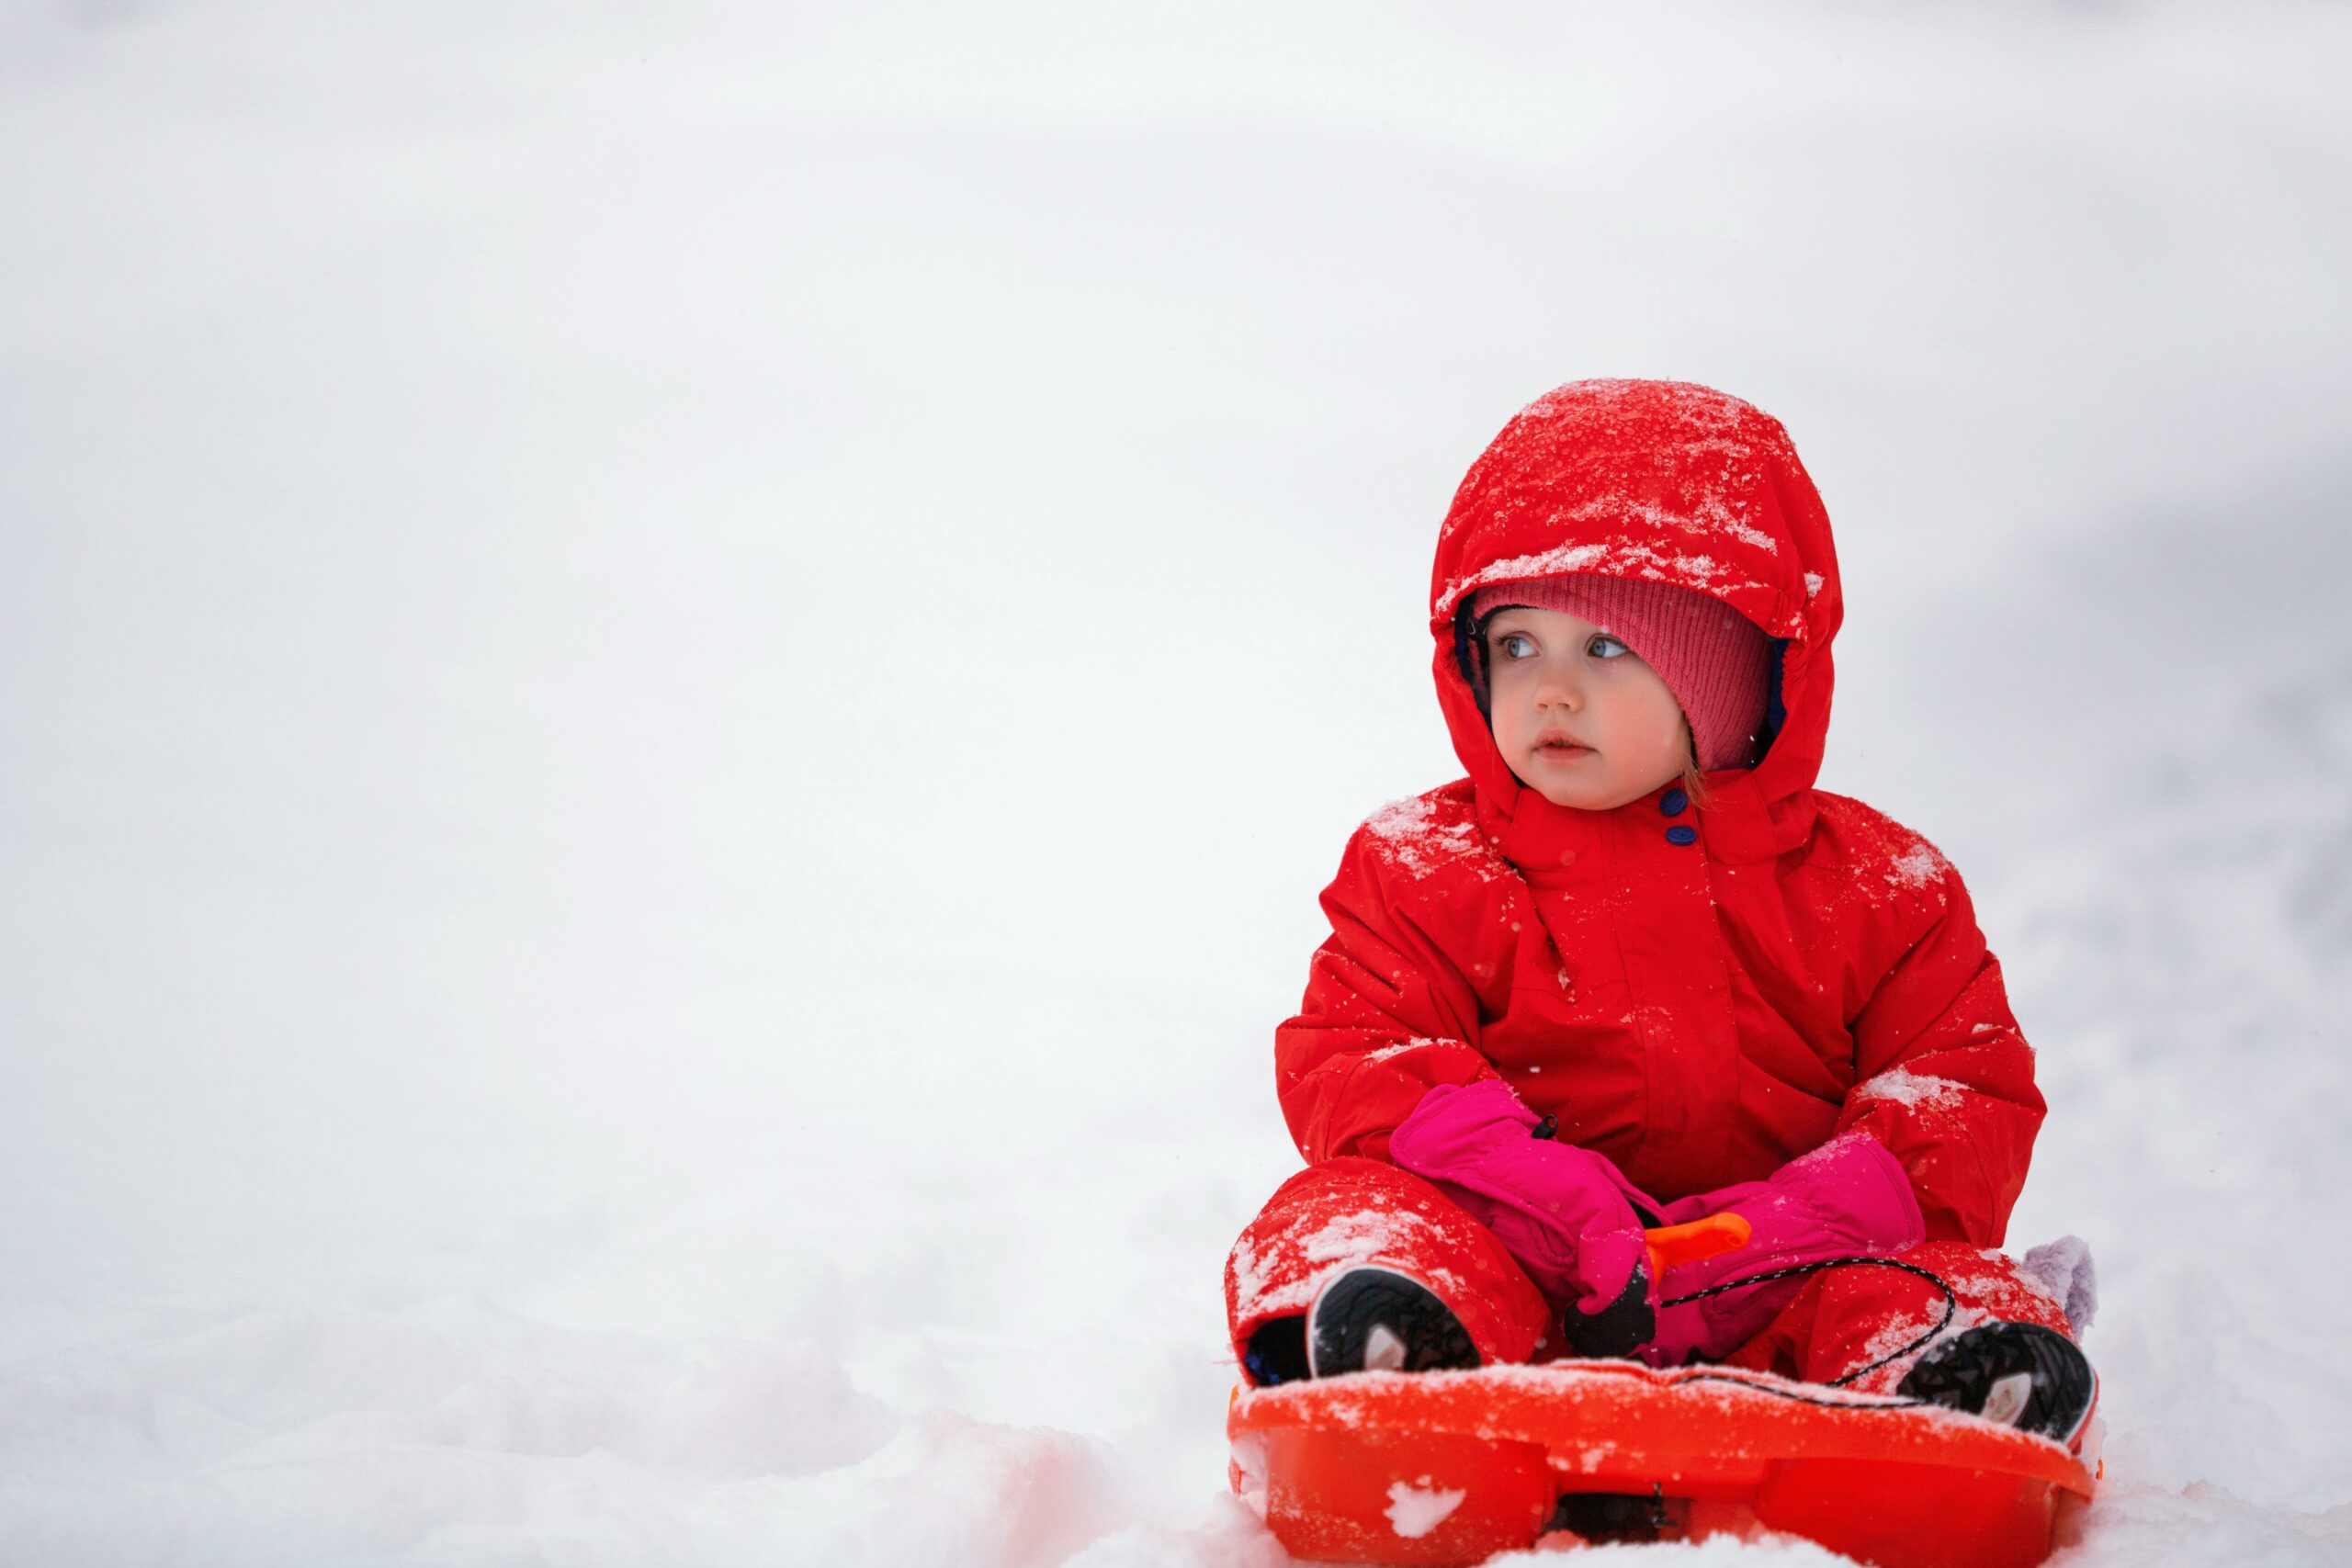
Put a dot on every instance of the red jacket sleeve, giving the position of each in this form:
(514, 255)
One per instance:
(1387, 1016)
(1943, 1078)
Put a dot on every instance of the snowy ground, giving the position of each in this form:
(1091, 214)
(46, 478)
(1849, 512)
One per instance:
(674, 687)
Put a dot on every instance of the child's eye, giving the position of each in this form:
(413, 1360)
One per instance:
(1515, 645)
(1603, 646)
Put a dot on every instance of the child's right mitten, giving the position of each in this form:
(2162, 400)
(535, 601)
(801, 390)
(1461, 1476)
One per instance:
(1567, 1215)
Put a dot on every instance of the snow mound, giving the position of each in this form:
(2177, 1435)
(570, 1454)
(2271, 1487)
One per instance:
(461, 1434)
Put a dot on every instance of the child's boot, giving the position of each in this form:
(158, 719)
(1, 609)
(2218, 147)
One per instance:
(2020, 1374)
(1370, 1318)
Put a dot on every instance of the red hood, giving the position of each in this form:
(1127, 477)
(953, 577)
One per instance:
(1660, 480)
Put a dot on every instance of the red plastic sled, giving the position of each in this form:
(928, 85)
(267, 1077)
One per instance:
(1454, 1467)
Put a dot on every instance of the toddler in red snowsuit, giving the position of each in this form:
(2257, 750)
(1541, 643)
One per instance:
(1634, 969)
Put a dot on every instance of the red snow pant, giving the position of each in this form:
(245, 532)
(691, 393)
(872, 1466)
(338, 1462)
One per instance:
(1349, 1210)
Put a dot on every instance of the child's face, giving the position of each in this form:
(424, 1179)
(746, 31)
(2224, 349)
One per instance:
(1581, 720)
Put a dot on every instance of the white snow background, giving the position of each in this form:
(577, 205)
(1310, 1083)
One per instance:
(674, 682)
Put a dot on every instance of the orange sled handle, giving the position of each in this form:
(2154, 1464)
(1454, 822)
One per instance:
(1670, 1246)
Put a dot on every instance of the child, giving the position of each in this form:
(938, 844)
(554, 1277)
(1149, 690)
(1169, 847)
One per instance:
(1635, 970)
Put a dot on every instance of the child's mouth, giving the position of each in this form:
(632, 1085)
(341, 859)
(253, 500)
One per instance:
(1562, 751)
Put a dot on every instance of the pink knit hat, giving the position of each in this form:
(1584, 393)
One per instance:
(1716, 661)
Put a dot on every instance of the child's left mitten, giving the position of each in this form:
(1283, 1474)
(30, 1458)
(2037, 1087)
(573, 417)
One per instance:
(1847, 1199)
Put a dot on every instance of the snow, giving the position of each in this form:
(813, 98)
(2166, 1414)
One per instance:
(1920, 866)
(1355, 1238)
(1347, 1240)
(673, 691)
(1421, 834)
(1414, 1511)
(1630, 556)
(1415, 837)
(1913, 1091)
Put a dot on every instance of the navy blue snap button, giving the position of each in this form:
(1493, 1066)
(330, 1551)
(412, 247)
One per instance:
(1683, 835)
(1672, 802)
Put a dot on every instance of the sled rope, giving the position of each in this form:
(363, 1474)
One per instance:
(1852, 1401)
(1951, 1309)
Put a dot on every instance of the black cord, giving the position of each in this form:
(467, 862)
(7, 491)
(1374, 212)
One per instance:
(1951, 1309)
(1865, 1402)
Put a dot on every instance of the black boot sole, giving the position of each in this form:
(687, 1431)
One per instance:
(1351, 1311)
(1976, 1367)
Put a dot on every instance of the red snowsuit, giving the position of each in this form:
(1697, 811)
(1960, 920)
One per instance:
(1699, 1012)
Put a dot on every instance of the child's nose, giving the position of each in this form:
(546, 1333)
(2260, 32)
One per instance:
(1559, 688)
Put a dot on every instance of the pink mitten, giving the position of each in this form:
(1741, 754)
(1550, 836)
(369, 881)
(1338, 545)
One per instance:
(1565, 1213)
(1848, 1198)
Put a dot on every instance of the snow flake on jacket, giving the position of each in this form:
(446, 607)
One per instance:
(1700, 1011)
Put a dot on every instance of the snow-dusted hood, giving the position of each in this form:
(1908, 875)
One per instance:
(1660, 480)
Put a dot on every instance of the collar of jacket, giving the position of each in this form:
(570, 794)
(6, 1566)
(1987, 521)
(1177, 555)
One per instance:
(1737, 825)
